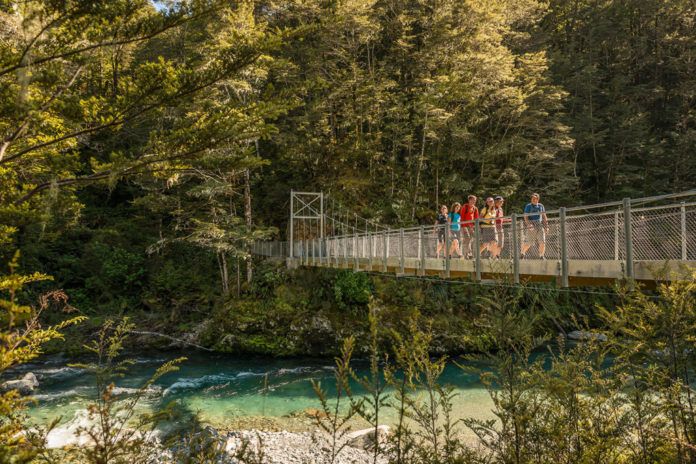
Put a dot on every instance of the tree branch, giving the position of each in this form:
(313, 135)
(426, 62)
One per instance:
(134, 169)
(24, 124)
(125, 118)
(94, 46)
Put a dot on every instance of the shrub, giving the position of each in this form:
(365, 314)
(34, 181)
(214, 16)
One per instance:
(352, 290)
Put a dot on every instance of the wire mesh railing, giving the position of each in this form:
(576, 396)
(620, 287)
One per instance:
(659, 232)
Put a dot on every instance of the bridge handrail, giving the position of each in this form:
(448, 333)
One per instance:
(654, 233)
(550, 214)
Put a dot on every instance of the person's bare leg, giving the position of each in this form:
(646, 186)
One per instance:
(542, 249)
(525, 248)
(454, 247)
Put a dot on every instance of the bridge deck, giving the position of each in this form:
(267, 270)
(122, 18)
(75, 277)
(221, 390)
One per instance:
(580, 272)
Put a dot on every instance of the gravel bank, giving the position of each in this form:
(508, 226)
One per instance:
(294, 448)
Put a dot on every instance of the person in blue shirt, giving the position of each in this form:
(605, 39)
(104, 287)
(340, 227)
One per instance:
(536, 225)
(455, 219)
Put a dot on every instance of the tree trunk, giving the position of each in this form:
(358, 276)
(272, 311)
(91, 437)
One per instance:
(238, 280)
(224, 274)
(247, 217)
(420, 167)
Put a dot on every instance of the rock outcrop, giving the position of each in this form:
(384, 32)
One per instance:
(365, 439)
(25, 385)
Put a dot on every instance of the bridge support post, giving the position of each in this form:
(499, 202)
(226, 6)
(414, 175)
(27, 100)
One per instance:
(515, 251)
(356, 265)
(335, 251)
(628, 232)
(364, 244)
(564, 249)
(477, 247)
(291, 249)
(616, 236)
(402, 260)
(447, 251)
(314, 254)
(385, 250)
(345, 251)
(421, 249)
(321, 215)
(683, 232)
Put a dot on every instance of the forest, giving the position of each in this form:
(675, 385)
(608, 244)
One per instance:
(146, 145)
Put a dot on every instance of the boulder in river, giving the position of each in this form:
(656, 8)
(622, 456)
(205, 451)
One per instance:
(582, 335)
(25, 385)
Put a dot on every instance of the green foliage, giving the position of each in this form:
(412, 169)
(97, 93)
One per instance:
(375, 399)
(267, 278)
(654, 349)
(627, 71)
(351, 290)
(334, 417)
(425, 432)
(21, 339)
(118, 268)
(620, 400)
(142, 150)
(117, 432)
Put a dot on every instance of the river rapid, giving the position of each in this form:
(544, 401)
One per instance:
(222, 390)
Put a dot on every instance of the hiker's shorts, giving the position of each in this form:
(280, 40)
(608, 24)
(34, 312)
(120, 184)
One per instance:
(535, 234)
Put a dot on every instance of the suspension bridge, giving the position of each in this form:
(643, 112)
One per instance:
(643, 239)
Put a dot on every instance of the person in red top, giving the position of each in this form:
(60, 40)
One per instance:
(469, 213)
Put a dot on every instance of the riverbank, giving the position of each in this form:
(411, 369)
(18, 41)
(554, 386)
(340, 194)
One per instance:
(257, 440)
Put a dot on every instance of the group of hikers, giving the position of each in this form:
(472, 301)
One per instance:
(461, 221)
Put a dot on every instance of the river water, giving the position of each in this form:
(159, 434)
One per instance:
(222, 388)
